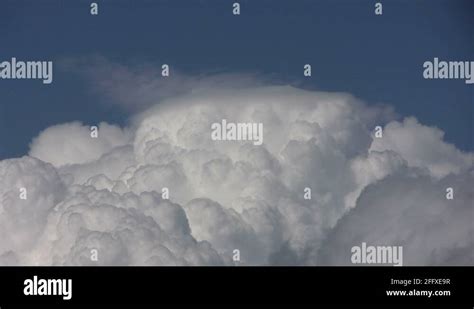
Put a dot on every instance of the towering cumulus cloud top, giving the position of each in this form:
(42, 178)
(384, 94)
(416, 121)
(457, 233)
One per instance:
(107, 193)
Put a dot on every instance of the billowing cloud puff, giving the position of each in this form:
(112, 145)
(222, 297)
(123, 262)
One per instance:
(29, 191)
(125, 229)
(111, 194)
(423, 147)
(71, 143)
(409, 211)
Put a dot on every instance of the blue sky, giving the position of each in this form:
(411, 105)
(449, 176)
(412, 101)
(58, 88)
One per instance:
(377, 58)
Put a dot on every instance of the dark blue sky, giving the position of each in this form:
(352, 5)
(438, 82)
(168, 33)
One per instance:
(377, 58)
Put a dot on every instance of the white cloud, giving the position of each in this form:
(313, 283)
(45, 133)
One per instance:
(71, 143)
(423, 147)
(105, 194)
(409, 211)
(138, 87)
(23, 221)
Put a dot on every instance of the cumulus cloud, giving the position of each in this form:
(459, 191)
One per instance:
(71, 143)
(423, 147)
(107, 193)
(409, 211)
(23, 221)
